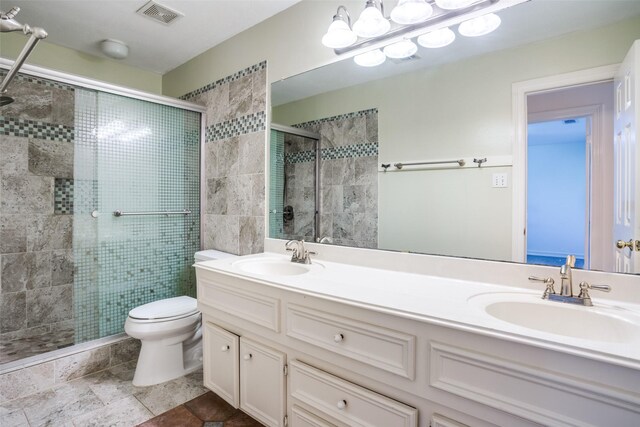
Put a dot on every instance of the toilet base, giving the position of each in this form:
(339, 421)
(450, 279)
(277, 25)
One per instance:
(160, 361)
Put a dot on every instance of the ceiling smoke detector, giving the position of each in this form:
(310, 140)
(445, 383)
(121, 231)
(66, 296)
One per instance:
(159, 13)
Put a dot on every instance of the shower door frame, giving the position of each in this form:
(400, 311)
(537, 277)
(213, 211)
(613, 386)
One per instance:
(316, 138)
(87, 83)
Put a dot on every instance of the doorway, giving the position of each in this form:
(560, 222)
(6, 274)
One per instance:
(557, 189)
(587, 93)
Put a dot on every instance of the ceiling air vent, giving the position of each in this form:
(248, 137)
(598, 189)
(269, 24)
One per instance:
(159, 13)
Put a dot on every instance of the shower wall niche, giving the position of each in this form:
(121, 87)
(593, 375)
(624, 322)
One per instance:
(71, 157)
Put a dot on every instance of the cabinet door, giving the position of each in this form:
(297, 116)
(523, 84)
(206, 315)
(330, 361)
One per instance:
(221, 363)
(262, 383)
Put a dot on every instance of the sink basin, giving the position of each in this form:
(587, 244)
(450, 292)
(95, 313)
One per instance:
(275, 267)
(601, 323)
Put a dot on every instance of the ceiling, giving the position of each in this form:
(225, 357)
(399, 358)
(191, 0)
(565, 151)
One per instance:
(525, 23)
(153, 46)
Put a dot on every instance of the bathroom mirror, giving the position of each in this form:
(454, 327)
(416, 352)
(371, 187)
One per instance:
(455, 105)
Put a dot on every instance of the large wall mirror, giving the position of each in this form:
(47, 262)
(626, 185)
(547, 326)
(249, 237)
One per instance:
(340, 132)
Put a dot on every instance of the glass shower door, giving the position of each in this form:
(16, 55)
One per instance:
(140, 158)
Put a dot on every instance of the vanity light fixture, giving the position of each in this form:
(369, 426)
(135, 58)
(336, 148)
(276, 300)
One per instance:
(372, 22)
(454, 4)
(411, 12)
(479, 26)
(401, 49)
(436, 39)
(425, 20)
(339, 33)
(370, 59)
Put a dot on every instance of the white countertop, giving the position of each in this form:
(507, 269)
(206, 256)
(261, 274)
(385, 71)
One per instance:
(439, 300)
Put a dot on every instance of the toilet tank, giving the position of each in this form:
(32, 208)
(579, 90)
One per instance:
(211, 254)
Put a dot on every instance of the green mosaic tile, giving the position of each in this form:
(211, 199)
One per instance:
(134, 156)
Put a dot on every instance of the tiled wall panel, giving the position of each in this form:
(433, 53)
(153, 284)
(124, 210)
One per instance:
(348, 180)
(36, 261)
(233, 211)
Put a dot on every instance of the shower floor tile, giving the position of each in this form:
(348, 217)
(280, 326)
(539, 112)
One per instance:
(16, 348)
(109, 398)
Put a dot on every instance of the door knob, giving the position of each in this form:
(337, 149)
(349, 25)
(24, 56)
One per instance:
(621, 244)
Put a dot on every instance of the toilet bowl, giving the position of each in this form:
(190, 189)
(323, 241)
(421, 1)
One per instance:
(170, 334)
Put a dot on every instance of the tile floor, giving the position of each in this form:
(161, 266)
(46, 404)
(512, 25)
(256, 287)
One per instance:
(12, 348)
(108, 398)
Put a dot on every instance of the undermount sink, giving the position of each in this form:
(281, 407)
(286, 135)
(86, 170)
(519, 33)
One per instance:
(600, 323)
(275, 267)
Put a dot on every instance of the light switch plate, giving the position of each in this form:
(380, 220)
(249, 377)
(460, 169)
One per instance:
(499, 180)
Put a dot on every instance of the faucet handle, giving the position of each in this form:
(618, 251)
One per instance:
(547, 281)
(584, 286)
(584, 292)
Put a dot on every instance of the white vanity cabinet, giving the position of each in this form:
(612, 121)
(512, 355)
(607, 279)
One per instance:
(351, 365)
(245, 373)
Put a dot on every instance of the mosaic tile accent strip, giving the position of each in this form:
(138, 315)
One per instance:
(300, 157)
(338, 117)
(34, 129)
(355, 150)
(63, 196)
(31, 79)
(235, 76)
(148, 162)
(234, 127)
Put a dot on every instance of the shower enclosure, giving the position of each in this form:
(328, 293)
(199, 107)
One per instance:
(294, 195)
(73, 155)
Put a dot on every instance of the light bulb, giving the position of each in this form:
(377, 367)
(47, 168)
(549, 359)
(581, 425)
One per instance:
(370, 59)
(479, 26)
(411, 12)
(401, 49)
(454, 4)
(437, 38)
(371, 23)
(339, 35)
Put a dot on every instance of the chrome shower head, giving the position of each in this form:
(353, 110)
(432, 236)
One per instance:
(4, 100)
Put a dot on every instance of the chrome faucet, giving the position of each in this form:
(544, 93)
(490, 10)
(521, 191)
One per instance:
(300, 254)
(566, 289)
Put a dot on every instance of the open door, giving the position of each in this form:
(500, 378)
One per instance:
(626, 224)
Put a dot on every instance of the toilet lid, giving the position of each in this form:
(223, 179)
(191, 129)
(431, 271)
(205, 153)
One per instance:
(166, 308)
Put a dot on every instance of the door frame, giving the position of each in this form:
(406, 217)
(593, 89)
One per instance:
(519, 93)
(593, 113)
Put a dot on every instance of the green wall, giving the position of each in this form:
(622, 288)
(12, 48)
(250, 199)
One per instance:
(71, 61)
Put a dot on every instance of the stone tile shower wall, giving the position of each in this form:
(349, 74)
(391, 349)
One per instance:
(348, 178)
(299, 187)
(234, 159)
(36, 218)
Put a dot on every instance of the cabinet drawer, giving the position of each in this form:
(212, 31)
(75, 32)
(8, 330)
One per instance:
(252, 306)
(302, 418)
(346, 402)
(383, 348)
(220, 363)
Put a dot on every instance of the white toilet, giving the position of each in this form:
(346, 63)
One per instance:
(170, 333)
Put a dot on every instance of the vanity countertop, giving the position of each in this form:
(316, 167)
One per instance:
(452, 303)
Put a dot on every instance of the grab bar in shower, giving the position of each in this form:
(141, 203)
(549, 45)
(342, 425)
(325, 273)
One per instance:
(166, 213)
